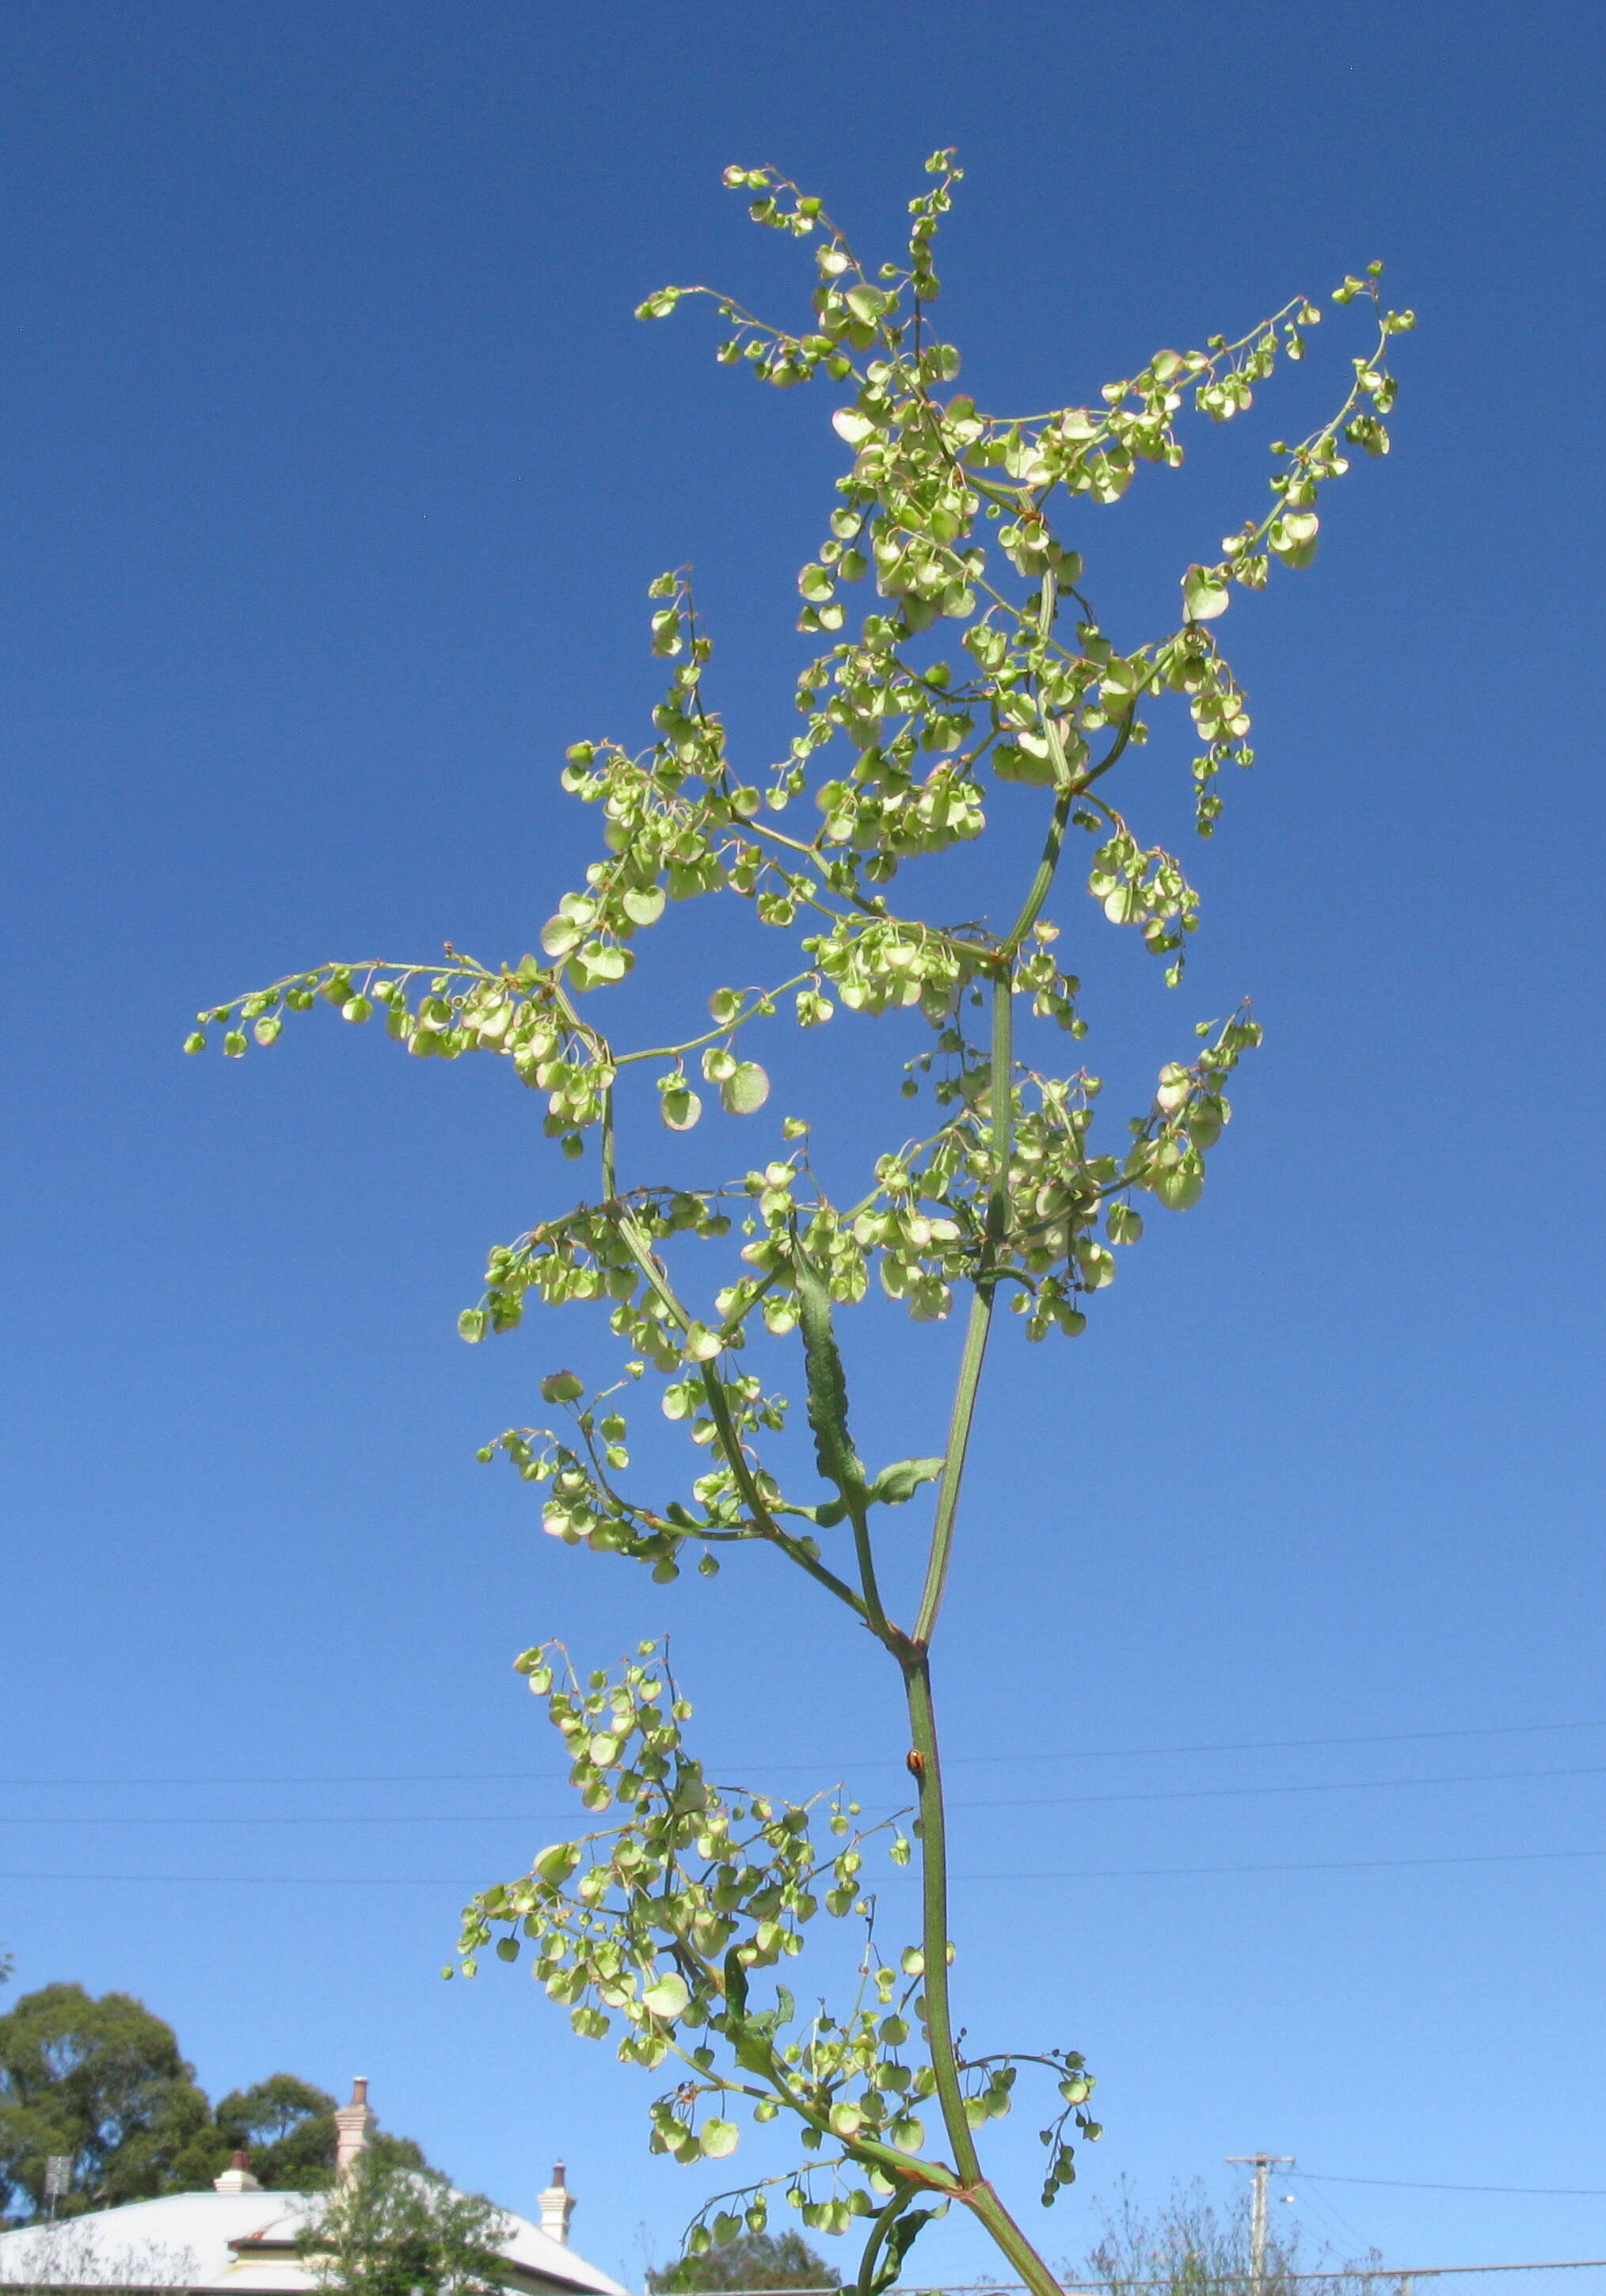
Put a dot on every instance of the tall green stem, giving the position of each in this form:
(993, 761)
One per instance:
(1038, 892)
(925, 1760)
(978, 2193)
(952, 1468)
(926, 1763)
(1014, 2242)
(1000, 1109)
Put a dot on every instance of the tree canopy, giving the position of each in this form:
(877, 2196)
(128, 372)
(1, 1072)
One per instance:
(753, 2260)
(103, 2083)
(393, 2231)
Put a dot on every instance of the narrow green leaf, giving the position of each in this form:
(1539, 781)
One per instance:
(827, 1398)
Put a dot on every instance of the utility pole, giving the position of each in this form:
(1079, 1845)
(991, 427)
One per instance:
(1262, 2164)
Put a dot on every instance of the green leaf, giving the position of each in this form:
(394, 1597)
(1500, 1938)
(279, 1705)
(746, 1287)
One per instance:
(827, 1399)
(1204, 593)
(680, 1109)
(561, 1387)
(644, 905)
(470, 1324)
(897, 1483)
(1178, 1188)
(668, 1997)
(825, 1516)
(900, 2240)
(718, 2137)
(604, 963)
(560, 934)
(745, 1090)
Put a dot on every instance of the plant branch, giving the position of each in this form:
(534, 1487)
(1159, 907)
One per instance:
(865, 2283)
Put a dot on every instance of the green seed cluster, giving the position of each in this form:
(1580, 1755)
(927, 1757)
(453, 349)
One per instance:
(654, 1930)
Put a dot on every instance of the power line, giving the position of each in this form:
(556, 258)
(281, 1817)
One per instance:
(1331, 2280)
(363, 1817)
(1418, 2185)
(1082, 1873)
(1317, 1865)
(1367, 2272)
(951, 1762)
(1346, 2232)
(1317, 1786)
(1007, 1801)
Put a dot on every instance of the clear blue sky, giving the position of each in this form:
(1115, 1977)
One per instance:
(335, 469)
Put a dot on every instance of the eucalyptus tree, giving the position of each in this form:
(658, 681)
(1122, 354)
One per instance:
(667, 1921)
(101, 2082)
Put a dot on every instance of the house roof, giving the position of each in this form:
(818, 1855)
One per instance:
(242, 2242)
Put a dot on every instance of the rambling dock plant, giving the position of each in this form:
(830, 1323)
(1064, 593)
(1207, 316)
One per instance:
(659, 1925)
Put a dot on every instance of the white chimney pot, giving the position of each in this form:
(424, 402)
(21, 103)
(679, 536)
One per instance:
(355, 2124)
(557, 2206)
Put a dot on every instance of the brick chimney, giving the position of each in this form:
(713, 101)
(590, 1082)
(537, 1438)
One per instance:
(237, 2177)
(355, 2124)
(557, 2206)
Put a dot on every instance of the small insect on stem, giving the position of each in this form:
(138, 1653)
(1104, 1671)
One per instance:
(916, 1761)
